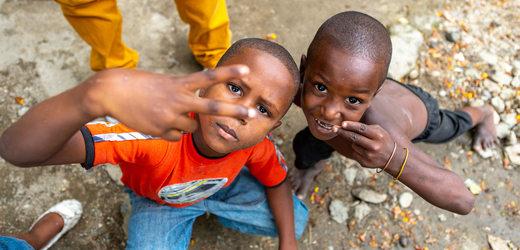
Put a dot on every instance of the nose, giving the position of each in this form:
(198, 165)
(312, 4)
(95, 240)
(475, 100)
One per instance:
(247, 104)
(331, 110)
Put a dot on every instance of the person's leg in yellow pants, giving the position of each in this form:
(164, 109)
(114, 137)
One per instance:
(209, 36)
(100, 23)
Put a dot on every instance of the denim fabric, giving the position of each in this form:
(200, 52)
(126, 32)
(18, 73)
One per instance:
(242, 206)
(12, 243)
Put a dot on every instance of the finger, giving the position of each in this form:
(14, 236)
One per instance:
(360, 128)
(213, 107)
(186, 124)
(353, 137)
(172, 135)
(206, 78)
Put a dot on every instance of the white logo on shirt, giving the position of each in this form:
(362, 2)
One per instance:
(192, 191)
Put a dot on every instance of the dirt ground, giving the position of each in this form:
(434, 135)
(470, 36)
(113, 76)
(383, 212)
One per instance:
(41, 56)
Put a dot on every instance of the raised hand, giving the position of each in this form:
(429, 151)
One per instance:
(372, 145)
(159, 105)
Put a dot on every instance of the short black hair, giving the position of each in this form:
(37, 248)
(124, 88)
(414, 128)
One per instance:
(357, 34)
(272, 48)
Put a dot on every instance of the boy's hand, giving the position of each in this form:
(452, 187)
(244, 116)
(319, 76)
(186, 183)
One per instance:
(159, 105)
(371, 144)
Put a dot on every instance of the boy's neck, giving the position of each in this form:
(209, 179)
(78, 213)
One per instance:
(200, 145)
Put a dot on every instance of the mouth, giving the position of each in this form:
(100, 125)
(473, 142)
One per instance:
(226, 132)
(323, 125)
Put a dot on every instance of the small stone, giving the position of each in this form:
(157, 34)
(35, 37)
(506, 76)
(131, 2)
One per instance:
(502, 78)
(403, 241)
(114, 171)
(338, 211)
(22, 111)
(496, 117)
(279, 142)
(442, 217)
(489, 57)
(442, 93)
(100, 225)
(414, 73)
(405, 200)
(491, 86)
(486, 153)
(516, 68)
(502, 130)
(486, 95)
(361, 211)
(511, 140)
(498, 104)
(513, 153)
(368, 195)
(416, 211)
(507, 94)
(435, 73)
(509, 119)
(498, 243)
(473, 73)
(350, 175)
(477, 103)
(330, 248)
(459, 57)
(515, 82)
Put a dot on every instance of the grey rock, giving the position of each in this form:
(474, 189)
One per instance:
(426, 23)
(491, 86)
(338, 211)
(442, 93)
(498, 243)
(477, 103)
(506, 67)
(442, 217)
(516, 68)
(498, 104)
(502, 78)
(414, 73)
(114, 171)
(515, 82)
(469, 245)
(509, 119)
(350, 175)
(452, 36)
(361, 210)
(511, 139)
(502, 130)
(368, 195)
(416, 211)
(486, 153)
(473, 73)
(22, 111)
(496, 117)
(406, 41)
(513, 153)
(486, 95)
(405, 200)
(488, 57)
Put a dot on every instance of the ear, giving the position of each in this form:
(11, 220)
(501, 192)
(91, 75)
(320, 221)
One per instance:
(303, 66)
(276, 125)
(379, 89)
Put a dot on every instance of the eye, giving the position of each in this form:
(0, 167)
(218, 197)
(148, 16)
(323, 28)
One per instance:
(353, 100)
(262, 110)
(235, 89)
(320, 88)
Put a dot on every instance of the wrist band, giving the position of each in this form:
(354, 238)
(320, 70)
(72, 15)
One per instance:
(389, 159)
(402, 167)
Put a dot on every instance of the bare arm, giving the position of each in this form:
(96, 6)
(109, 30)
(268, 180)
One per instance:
(153, 104)
(281, 204)
(372, 146)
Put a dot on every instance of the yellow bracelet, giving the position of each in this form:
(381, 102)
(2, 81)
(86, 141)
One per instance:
(402, 167)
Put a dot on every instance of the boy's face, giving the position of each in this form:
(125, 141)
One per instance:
(337, 87)
(268, 90)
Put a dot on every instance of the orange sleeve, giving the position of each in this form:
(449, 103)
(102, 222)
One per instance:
(267, 164)
(115, 144)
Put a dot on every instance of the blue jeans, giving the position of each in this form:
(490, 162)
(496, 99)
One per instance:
(241, 206)
(12, 243)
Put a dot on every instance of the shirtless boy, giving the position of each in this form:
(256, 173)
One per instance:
(351, 107)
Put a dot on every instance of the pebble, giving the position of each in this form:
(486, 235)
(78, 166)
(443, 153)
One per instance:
(486, 153)
(114, 171)
(513, 153)
(515, 82)
(416, 211)
(403, 241)
(507, 94)
(442, 217)
(516, 68)
(502, 130)
(486, 95)
(488, 57)
(498, 243)
(22, 111)
(414, 73)
(509, 119)
(477, 103)
(498, 104)
(338, 211)
(368, 195)
(502, 78)
(511, 140)
(442, 93)
(405, 200)
(473, 187)
(496, 117)
(473, 73)
(350, 175)
(491, 86)
(361, 211)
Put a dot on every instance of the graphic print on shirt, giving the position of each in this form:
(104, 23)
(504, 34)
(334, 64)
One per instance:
(192, 191)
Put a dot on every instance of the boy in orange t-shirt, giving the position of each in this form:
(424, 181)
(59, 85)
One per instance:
(201, 169)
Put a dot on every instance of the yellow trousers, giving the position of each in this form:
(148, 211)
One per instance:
(100, 24)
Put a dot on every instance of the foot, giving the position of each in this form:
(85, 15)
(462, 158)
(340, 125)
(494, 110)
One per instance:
(485, 133)
(43, 231)
(301, 179)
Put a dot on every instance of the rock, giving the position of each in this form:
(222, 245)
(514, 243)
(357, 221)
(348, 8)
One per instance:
(22, 111)
(459, 57)
(442, 93)
(338, 211)
(473, 187)
(350, 175)
(513, 153)
(414, 74)
(405, 200)
(515, 82)
(505, 67)
(469, 245)
(488, 57)
(406, 41)
(416, 211)
(496, 117)
(361, 211)
(368, 195)
(516, 68)
(473, 73)
(477, 103)
(486, 153)
(426, 23)
(507, 94)
(442, 217)
(509, 119)
(511, 140)
(498, 243)
(486, 95)
(516, 129)
(498, 104)
(404, 241)
(502, 78)
(115, 173)
(502, 130)
(452, 36)
(491, 86)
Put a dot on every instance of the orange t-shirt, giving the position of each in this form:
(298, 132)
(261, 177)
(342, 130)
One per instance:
(174, 173)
